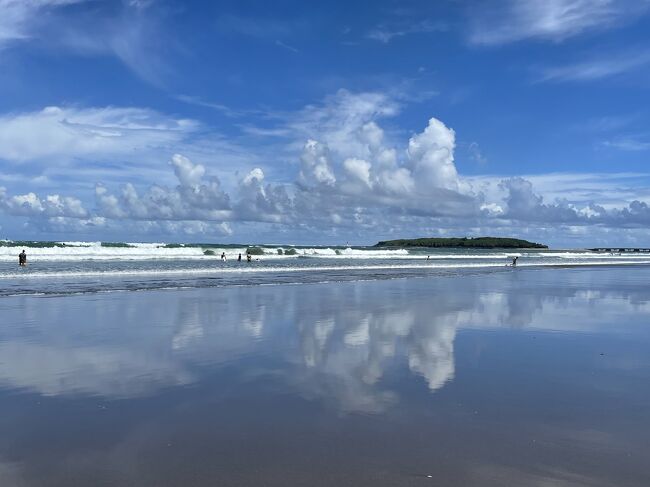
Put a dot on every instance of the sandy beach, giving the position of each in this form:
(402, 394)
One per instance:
(534, 377)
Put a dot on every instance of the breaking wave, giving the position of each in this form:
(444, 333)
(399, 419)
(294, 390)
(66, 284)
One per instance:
(82, 251)
(73, 267)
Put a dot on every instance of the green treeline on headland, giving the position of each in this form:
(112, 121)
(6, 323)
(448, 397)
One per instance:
(478, 242)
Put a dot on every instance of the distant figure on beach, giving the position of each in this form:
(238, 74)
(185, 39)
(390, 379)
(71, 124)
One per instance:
(249, 257)
(22, 259)
(514, 261)
(223, 256)
(239, 258)
(428, 257)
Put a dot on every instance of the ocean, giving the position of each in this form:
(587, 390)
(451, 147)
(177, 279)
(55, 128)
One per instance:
(79, 267)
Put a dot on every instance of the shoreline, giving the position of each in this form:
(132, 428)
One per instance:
(469, 272)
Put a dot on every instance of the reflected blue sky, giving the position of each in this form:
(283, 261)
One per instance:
(122, 345)
(461, 372)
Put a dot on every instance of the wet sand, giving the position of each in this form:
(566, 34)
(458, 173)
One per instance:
(535, 377)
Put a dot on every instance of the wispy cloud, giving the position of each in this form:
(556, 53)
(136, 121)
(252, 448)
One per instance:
(476, 154)
(597, 68)
(60, 133)
(553, 20)
(131, 33)
(607, 123)
(387, 32)
(228, 111)
(195, 100)
(277, 31)
(629, 143)
(135, 39)
(283, 45)
(20, 18)
(260, 28)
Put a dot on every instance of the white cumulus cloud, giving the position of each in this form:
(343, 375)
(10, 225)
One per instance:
(352, 174)
(32, 205)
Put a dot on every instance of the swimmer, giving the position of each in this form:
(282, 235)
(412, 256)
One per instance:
(22, 259)
(223, 256)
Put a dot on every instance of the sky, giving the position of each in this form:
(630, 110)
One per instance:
(325, 122)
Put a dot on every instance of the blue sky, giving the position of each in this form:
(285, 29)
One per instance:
(325, 122)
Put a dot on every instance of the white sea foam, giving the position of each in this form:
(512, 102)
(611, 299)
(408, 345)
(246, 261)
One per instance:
(82, 251)
(94, 251)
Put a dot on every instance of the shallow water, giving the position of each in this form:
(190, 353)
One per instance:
(527, 377)
(89, 267)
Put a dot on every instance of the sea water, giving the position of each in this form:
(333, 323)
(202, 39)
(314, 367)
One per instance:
(77, 267)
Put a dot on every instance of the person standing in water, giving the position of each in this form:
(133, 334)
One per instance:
(514, 261)
(239, 258)
(22, 259)
(223, 256)
(248, 257)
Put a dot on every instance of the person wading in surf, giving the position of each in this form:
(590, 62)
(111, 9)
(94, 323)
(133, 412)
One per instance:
(22, 259)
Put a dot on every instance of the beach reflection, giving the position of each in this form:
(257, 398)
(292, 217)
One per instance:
(332, 342)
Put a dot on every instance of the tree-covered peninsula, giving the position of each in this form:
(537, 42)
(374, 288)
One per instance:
(463, 242)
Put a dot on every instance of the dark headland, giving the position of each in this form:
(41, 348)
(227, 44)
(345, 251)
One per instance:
(461, 242)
